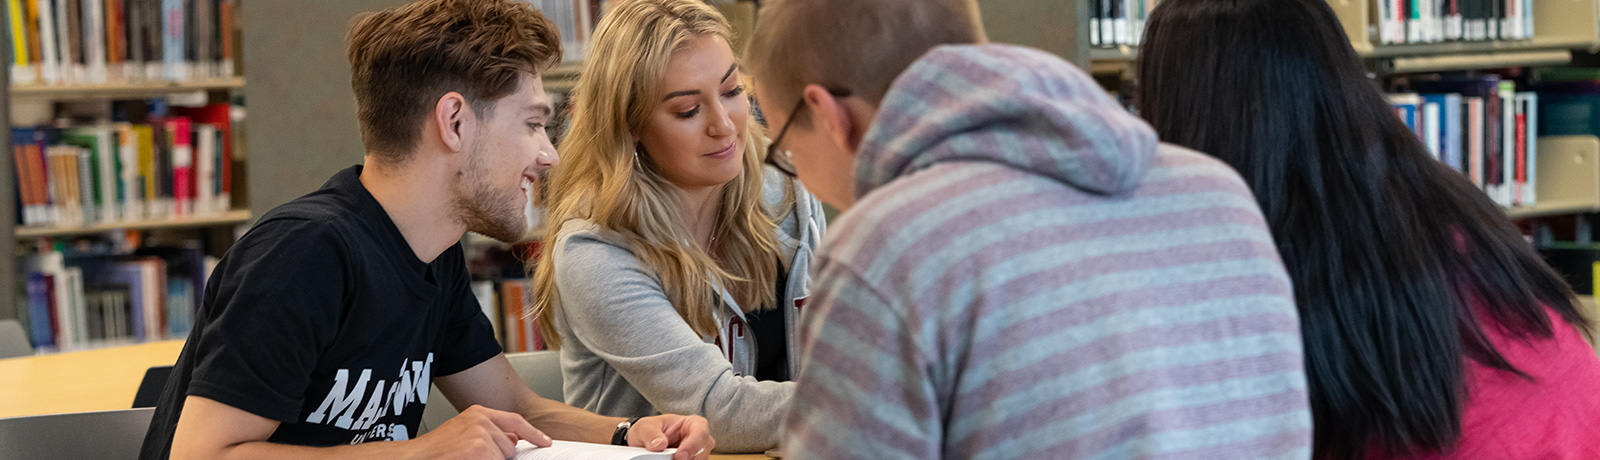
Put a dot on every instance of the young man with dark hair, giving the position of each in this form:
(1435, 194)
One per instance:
(1021, 269)
(325, 325)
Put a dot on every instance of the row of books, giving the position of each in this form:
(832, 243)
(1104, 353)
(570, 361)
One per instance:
(1483, 127)
(1570, 101)
(508, 304)
(175, 166)
(109, 41)
(1433, 21)
(90, 300)
(575, 19)
(1118, 22)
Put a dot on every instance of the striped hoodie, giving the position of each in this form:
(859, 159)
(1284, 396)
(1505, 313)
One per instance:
(1028, 273)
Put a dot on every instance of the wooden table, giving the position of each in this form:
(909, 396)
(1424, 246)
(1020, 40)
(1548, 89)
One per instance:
(97, 380)
(94, 380)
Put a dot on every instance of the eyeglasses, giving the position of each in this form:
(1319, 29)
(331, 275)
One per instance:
(782, 161)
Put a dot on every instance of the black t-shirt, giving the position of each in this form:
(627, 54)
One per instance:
(322, 318)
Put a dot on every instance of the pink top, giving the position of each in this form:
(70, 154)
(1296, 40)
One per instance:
(1555, 416)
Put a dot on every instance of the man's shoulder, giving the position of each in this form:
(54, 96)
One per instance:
(279, 238)
(322, 205)
(903, 207)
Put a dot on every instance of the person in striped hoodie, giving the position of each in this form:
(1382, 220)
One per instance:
(1021, 269)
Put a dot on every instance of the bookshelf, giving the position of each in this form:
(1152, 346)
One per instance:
(1569, 178)
(1569, 166)
(124, 252)
(234, 217)
(121, 90)
(563, 78)
(1559, 26)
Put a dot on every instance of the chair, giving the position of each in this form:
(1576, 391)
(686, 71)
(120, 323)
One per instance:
(149, 393)
(107, 435)
(541, 370)
(13, 340)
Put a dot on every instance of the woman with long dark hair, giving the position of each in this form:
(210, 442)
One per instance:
(1432, 329)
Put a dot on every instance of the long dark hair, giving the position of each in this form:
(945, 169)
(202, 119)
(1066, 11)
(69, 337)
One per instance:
(1398, 262)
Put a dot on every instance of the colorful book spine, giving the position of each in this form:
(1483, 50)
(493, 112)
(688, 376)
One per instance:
(205, 185)
(1508, 142)
(225, 14)
(116, 40)
(21, 68)
(52, 71)
(182, 166)
(172, 43)
(1530, 107)
(128, 172)
(1475, 124)
(94, 38)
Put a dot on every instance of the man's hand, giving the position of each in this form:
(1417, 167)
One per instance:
(479, 433)
(689, 433)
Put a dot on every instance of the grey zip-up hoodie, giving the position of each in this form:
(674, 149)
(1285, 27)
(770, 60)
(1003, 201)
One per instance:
(626, 351)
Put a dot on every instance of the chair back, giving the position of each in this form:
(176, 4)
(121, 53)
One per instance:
(149, 393)
(541, 370)
(13, 340)
(105, 435)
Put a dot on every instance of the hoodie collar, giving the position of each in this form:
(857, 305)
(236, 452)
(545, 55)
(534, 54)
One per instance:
(1017, 106)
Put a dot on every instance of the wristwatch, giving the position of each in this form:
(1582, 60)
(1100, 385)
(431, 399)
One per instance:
(620, 437)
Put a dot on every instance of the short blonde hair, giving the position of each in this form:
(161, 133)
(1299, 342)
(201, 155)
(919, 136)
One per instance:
(857, 45)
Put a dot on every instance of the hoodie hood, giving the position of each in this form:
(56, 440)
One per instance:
(1021, 107)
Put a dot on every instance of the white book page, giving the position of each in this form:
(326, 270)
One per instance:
(566, 450)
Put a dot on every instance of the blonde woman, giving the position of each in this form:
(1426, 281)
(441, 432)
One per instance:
(676, 259)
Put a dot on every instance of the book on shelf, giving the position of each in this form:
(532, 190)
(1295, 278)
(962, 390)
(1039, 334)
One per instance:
(87, 42)
(520, 328)
(489, 302)
(1435, 21)
(87, 298)
(1569, 101)
(575, 20)
(1483, 127)
(175, 166)
(1115, 23)
(503, 291)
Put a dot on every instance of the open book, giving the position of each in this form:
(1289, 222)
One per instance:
(565, 450)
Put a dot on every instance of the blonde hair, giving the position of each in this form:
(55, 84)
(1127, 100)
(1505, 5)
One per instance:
(603, 179)
(858, 45)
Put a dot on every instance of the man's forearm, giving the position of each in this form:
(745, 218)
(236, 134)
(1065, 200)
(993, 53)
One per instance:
(567, 423)
(397, 450)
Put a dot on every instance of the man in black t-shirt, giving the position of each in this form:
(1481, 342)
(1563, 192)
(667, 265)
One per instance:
(325, 325)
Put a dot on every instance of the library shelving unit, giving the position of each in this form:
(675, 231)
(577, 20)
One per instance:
(1569, 177)
(121, 90)
(214, 89)
(1569, 166)
(1559, 26)
(212, 227)
(214, 231)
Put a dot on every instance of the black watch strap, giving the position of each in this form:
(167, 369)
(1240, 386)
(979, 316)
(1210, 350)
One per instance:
(620, 437)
